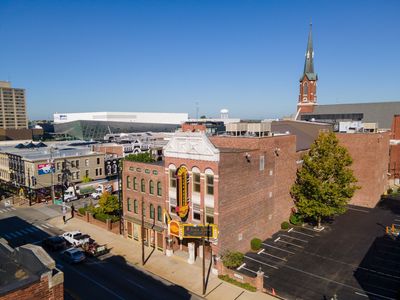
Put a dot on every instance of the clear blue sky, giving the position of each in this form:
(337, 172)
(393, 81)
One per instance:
(247, 56)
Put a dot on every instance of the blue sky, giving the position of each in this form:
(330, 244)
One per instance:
(247, 56)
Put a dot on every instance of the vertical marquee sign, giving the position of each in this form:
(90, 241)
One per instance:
(182, 178)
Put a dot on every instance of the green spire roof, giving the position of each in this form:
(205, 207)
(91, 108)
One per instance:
(309, 62)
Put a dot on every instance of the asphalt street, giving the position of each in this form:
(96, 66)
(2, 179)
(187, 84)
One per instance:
(107, 277)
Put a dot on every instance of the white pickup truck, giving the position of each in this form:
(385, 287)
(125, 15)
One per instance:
(76, 238)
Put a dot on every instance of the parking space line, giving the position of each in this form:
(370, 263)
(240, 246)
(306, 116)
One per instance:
(397, 220)
(19, 233)
(311, 229)
(289, 243)
(266, 253)
(244, 268)
(37, 225)
(30, 230)
(277, 239)
(294, 238)
(47, 227)
(25, 232)
(360, 294)
(278, 248)
(261, 262)
(306, 234)
(241, 266)
(357, 209)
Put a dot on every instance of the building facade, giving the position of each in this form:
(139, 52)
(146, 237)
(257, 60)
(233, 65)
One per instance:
(12, 107)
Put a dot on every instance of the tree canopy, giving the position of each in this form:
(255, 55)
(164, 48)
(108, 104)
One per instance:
(140, 157)
(108, 203)
(325, 183)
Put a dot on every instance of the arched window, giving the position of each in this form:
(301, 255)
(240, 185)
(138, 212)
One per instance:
(305, 88)
(135, 206)
(152, 211)
(159, 189)
(142, 186)
(209, 182)
(135, 183)
(151, 187)
(128, 182)
(129, 204)
(159, 213)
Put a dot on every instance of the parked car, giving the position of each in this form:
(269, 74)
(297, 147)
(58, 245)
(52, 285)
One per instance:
(73, 255)
(54, 243)
(96, 195)
(76, 238)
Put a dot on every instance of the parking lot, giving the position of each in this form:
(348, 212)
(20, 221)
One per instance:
(352, 258)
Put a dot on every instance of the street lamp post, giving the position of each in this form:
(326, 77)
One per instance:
(119, 195)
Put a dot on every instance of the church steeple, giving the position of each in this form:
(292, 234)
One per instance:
(309, 63)
(308, 80)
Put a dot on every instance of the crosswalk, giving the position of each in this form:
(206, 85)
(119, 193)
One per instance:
(7, 209)
(34, 229)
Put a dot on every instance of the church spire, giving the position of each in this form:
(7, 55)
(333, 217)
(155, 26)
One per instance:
(309, 60)
(308, 81)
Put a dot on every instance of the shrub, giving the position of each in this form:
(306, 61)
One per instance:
(296, 219)
(285, 225)
(390, 191)
(82, 210)
(103, 217)
(246, 286)
(255, 244)
(232, 259)
(140, 157)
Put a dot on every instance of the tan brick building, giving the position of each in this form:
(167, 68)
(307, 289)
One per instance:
(12, 107)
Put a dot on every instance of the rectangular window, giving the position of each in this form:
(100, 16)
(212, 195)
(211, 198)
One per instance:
(86, 162)
(196, 182)
(97, 172)
(172, 179)
(73, 175)
(58, 166)
(196, 215)
(172, 209)
(72, 163)
(210, 215)
(210, 184)
(77, 163)
(101, 171)
(78, 175)
(98, 160)
(262, 162)
(87, 173)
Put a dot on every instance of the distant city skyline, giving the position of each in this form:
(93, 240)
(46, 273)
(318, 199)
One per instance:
(164, 56)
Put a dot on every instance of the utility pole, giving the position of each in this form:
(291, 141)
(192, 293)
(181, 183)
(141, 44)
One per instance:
(29, 187)
(142, 231)
(204, 252)
(52, 170)
(119, 171)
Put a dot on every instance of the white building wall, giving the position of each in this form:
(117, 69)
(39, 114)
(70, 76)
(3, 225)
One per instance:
(129, 117)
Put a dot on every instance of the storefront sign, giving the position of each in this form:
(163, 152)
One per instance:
(182, 208)
(200, 231)
(174, 228)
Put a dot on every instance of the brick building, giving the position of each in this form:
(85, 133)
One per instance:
(28, 272)
(240, 184)
(144, 191)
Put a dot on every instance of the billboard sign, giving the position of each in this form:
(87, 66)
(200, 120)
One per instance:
(182, 208)
(44, 169)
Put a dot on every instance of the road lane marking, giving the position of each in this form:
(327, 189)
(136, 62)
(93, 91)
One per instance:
(261, 251)
(98, 283)
(289, 243)
(241, 266)
(360, 294)
(266, 253)
(278, 248)
(261, 262)
(306, 234)
(294, 238)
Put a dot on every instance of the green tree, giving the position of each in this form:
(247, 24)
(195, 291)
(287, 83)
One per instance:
(232, 260)
(86, 179)
(140, 157)
(325, 183)
(108, 203)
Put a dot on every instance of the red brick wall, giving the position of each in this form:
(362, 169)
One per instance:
(130, 169)
(311, 95)
(246, 208)
(370, 153)
(38, 290)
(193, 127)
(114, 149)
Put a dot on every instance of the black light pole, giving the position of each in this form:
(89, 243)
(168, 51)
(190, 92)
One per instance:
(142, 231)
(119, 195)
(29, 188)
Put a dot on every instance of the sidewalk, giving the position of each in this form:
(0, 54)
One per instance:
(174, 269)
